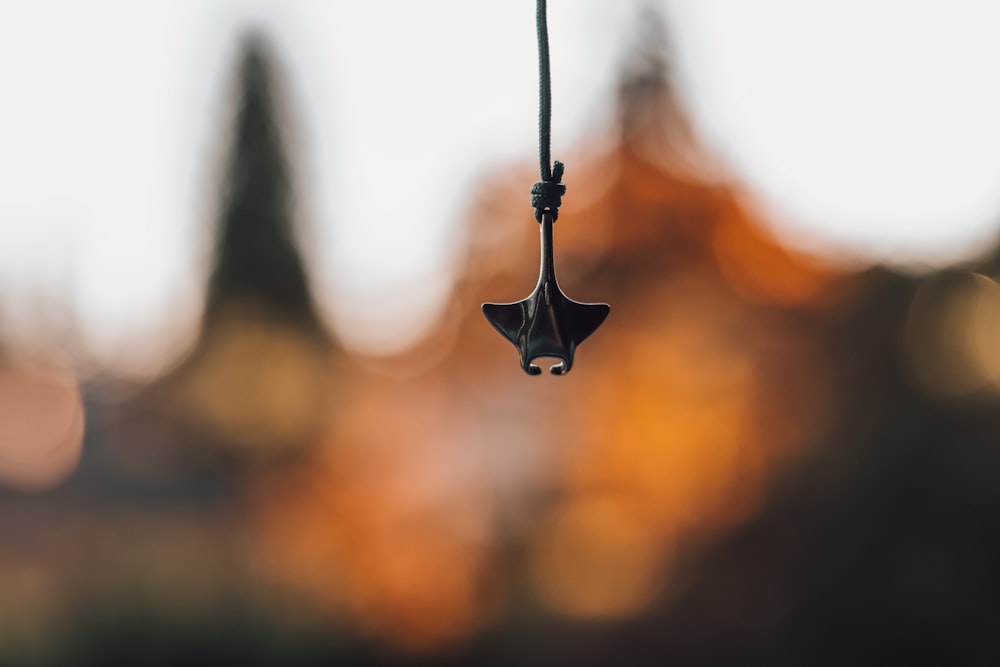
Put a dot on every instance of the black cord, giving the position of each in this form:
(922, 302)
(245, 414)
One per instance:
(546, 195)
(544, 92)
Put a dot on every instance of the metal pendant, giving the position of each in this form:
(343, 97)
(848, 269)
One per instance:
(547, 323)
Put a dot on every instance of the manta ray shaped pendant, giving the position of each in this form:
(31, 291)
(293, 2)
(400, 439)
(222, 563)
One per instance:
(547, 323)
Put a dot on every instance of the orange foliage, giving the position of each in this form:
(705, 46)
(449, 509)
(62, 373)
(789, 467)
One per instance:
(702, 384)
(383, 525)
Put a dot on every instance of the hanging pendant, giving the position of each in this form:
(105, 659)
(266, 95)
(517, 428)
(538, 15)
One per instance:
(547, 323)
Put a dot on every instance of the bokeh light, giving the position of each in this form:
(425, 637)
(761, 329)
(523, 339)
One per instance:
(41, 424)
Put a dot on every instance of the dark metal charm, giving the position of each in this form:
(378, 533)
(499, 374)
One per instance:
(547, 323)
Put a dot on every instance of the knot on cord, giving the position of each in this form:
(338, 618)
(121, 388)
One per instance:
(547, 195)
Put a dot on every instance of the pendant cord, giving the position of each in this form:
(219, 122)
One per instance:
(544, 93)
(548, 323)
(546, 195)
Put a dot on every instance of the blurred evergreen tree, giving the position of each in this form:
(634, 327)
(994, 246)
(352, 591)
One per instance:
(257, 263)
(257, 383)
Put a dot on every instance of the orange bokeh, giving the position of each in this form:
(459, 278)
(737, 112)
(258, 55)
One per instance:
(41, 425)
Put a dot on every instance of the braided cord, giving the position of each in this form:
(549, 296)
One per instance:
(546, 195)
(544, 92)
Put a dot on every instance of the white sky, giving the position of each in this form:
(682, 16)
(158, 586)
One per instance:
(871, 127)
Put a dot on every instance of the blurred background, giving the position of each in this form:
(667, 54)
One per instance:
(250, 410)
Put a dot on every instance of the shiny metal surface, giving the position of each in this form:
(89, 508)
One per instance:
(547, 323)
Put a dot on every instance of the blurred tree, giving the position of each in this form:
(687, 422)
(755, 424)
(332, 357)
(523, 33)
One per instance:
(257, 384)
(258, 266)
(579, 489)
